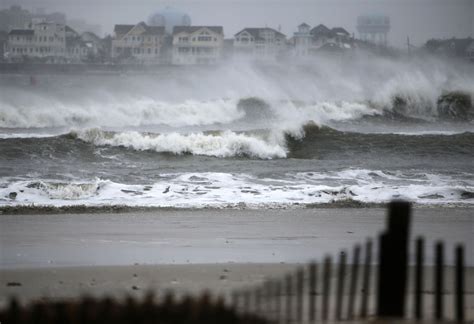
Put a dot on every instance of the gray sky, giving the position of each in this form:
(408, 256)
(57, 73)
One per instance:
(419, 19)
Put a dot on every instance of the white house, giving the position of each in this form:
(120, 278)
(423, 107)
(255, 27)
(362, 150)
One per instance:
(320, 38)
(197, 44)
(138, 43)
(44, 40)
(259, 43)
(302, 40)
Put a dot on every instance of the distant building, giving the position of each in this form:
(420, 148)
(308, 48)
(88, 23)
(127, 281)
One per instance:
(169, 18)
(85, 47)
(138, 43)
(462, 48)
(14, 18)
(302, 40)
(197, 44)
(44, 40)
(56, 17)
(308, 41)
(374, 29)
(3, 41)
(470, 52)
(260, 43)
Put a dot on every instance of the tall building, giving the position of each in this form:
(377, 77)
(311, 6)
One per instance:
(169, 18)
(374, 28)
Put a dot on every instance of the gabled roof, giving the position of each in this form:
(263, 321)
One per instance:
(122, 29)
(192, 29)
(304, 25)
(70, 30)
(255, 32)
(340, 30)
(154, 30)
(22, 32)
(320, 30)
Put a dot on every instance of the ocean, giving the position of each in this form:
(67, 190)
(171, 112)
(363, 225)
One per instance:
(356, 130)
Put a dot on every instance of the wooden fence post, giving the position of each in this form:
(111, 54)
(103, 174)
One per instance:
(459, 284)
(439, 280)
(393, 261)
(419, 278)
(364, 305)
(353, 284)
(341, 274)
(312, 291)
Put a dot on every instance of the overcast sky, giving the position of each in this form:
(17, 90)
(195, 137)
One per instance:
(418, 19)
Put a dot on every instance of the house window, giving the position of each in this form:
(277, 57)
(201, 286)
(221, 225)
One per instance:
(149, 51)
(133, 38)
(183, 39)
(204, 38)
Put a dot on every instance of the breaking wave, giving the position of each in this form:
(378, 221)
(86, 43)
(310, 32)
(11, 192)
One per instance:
(219, 144)
(197, 190)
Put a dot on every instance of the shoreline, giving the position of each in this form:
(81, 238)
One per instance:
(120, 209)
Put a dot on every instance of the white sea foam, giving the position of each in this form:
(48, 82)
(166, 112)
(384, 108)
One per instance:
(197, 190)
(221, 144)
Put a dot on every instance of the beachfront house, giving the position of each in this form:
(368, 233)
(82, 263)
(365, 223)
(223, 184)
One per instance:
(138, 43)
(40, 40)
(259, 43)
(197, 44)
(308, 41)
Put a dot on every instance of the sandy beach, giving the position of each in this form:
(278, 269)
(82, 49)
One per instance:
(188, 251)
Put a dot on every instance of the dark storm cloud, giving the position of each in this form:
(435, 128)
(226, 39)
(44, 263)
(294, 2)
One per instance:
(418, 19)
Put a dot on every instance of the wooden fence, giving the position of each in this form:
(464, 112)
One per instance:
(359, 286)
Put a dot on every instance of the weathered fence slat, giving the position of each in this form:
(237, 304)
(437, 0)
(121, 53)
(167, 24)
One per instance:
(418, 298)
(439, 280)
(459, 284)
(312, 291)
(340, 285)
(393, 261)
(326, 288)
(299, 295)
(366, 279)
(353, 283)
(289, 298)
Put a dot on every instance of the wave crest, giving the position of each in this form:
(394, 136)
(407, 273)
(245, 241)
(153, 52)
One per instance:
(218, 144)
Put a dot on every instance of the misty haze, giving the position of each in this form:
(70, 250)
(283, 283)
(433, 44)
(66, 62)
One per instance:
(240, 135)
